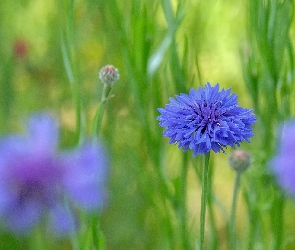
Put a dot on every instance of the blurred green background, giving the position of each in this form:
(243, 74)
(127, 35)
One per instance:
(51, 53)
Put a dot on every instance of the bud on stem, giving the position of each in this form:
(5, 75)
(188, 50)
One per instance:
(108, 75)
(240, 160)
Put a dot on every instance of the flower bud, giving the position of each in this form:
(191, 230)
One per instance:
(240, 160)
(20, 48)
(109, 74)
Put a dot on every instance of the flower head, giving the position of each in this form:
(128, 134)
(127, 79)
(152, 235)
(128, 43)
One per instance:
(109, 74)
(37, 179)
(283, 163)
(207, 119)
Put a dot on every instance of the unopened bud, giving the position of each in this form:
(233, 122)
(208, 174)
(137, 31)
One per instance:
(20, 48)
(240, 160)
(109, 74)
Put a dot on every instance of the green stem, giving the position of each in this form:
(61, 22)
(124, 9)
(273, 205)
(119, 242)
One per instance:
(233, 212)
(97, 235)
(80, 131)
(39, 238)
(183, 215)
(73, 75)
(253, 215)
(204, 199)
(278, 219)
(213, 229)
(100, 110)
(95, 232)
(68, 49)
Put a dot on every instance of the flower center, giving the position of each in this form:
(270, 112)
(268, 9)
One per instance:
(37, 181)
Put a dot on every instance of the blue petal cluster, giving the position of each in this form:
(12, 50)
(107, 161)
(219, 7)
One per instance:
(207, 119)
(283, 163)
(40, 182)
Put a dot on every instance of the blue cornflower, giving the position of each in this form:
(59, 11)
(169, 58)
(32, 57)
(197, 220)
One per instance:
(38, 182)
(283, 163)
(206, 120)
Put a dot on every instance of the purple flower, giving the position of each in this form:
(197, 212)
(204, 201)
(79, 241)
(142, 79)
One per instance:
(206, 120)
(38, 182)
(283, 163)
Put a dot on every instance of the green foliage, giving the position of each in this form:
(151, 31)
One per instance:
(161, 48)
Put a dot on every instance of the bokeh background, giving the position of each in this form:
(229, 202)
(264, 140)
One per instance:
(50, 56)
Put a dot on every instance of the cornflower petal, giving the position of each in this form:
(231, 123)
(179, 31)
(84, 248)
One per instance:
(43, 133)
(283, 163)
(86, 175)
(22, 219)
(62, 221)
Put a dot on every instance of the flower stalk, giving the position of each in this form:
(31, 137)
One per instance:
(239, 161)
(100, 110)
(108, 75)
(232, 223)
(204, 200)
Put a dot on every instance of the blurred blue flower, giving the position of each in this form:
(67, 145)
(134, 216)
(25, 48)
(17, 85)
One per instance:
(206, 120)
(40, 183)
(283, 163)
